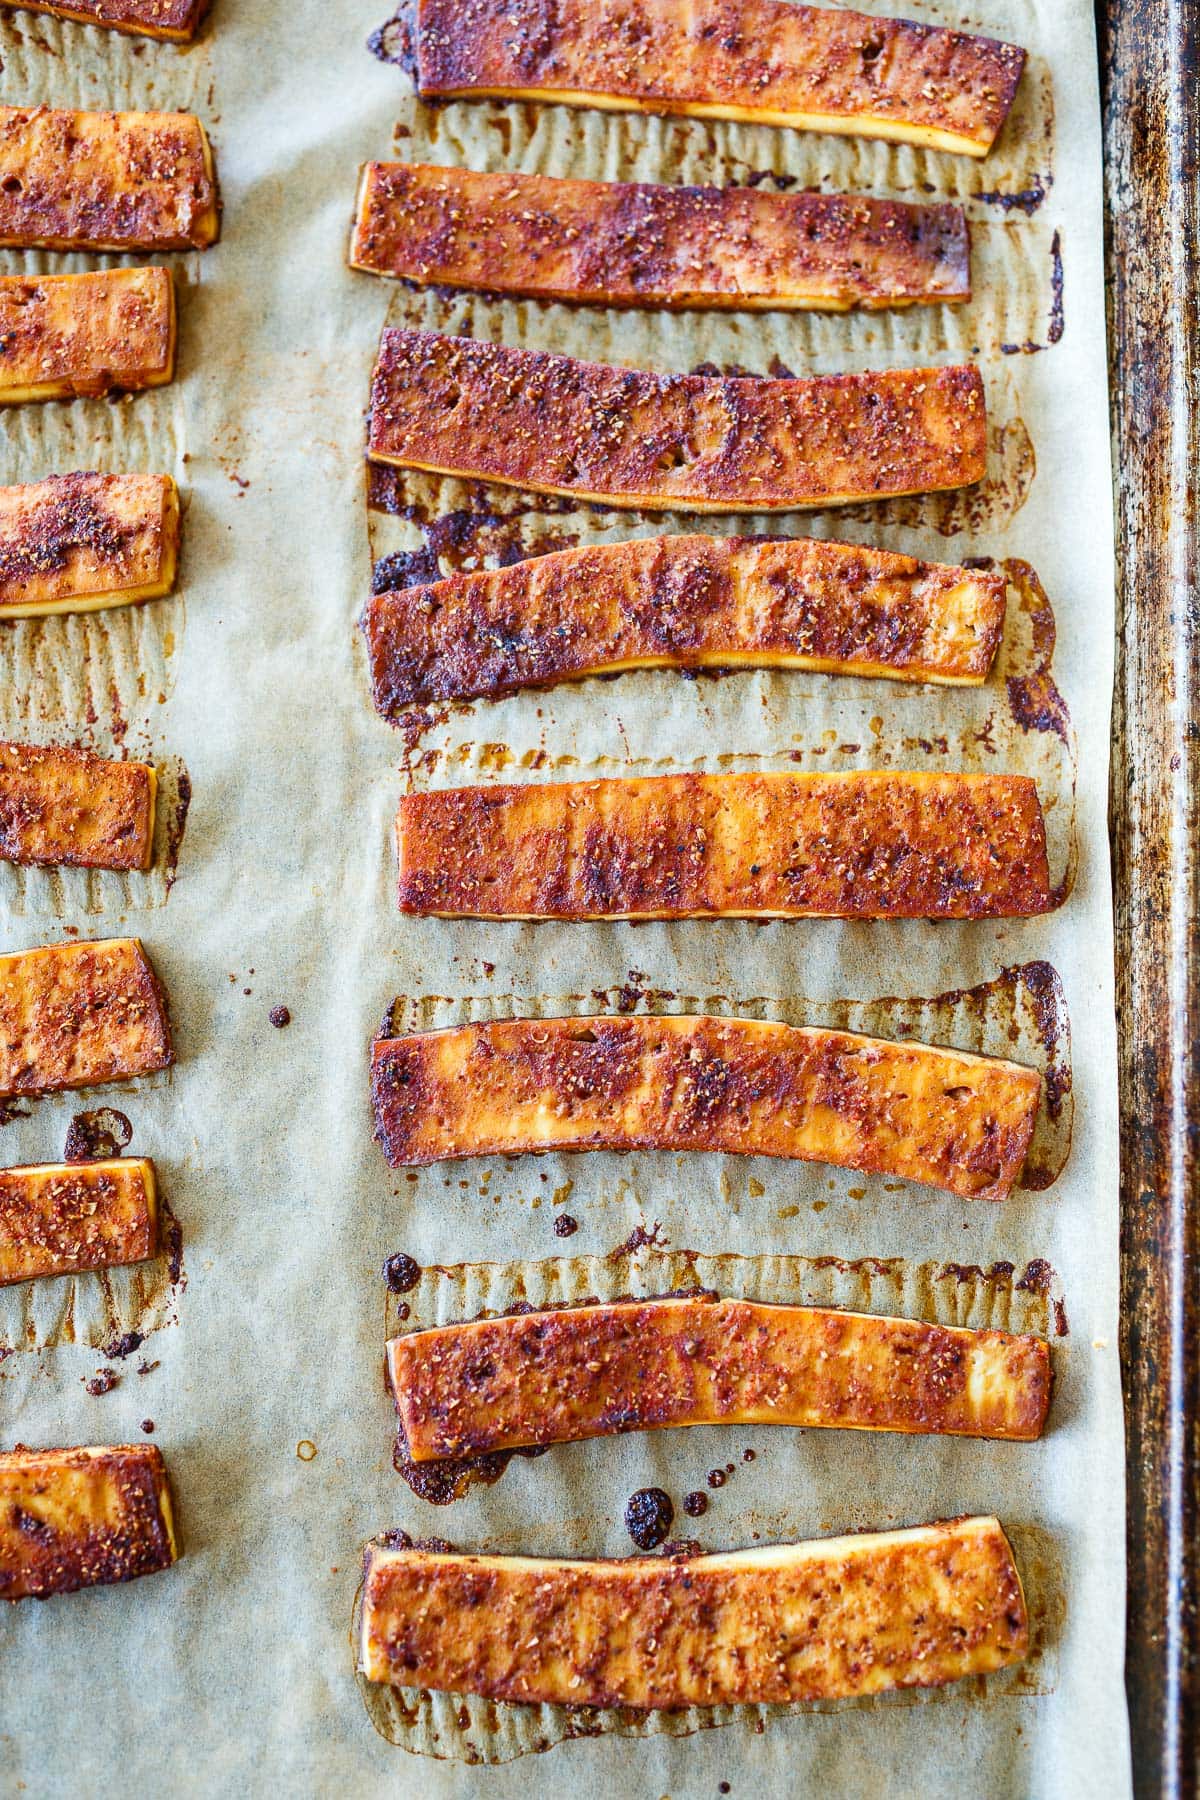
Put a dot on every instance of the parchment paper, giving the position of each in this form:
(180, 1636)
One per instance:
(234, 1672)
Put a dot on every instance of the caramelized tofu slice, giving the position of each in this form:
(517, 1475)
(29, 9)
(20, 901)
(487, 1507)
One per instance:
(65, 336)
(832, 1619)
(612, 243)
(65, 808)
(89, 1517)
(105, 180)
(82, 542)
(78, 1015)
(869, 845)
(763, 61)
(746, 1087)
(63, 1218)
(590, 1371)
(697, 443)
(683, 603)
(172, 19)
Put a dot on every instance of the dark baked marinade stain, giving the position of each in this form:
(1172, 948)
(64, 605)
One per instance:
(1033, 699)
(404, 569)
(124, 1346)
(631, 994)
(171, 1239)
(177, 824)
(1027, 200)
(639, 1239)
(695, 1504)
(1057, 318)
(102, 1382)
(448, 1479)
(565, 1226)
(649, 1516)
(11, 1110)
(488, 531)
(97, 1136)
(1043, 983)
(395, 41)
(279, 1016)
(401, 1272)
(58, 531)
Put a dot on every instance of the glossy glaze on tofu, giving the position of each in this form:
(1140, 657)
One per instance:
(685, 602)
(748, 1087)
(612, 243)
(77, 1015)
(83, 542)
(175, 20)
(698, 443)
(834, 1618)
(62, 807)
(63, 1218)
(763, 61)
(84, 1517)
(67, 336)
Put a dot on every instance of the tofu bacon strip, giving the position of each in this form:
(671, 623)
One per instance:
(612, 243)
(105, 180)
(683, 603)
(836, 1618)
(66, 336)
(559, 1376)
(763, 61)
(868, 845)
(697, 443)
(78, 1015)
(65, 808)
(84, 1517)
(175, 20)
(64, 1218)
(82, 542)
(746, 1087)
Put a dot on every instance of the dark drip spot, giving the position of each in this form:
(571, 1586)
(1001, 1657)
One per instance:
(401, 1272)
(649, 1516)
(695, 1504)
(97, 1136)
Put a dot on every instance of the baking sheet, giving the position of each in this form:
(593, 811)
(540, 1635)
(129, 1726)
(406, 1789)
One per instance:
(235, 1672)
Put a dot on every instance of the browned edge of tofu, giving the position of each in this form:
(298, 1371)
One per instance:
(836, 1618)
(72, 180)
(175, 21)
(867, 844)
(696, 443)
(85, 1517)
(683, 602)
(63, 807)
(66, 1218)
(765, 62)
(562, 1374)
(80, 1015)
(66, 337)
(611, 243)
(752, 1087)
(84, 542)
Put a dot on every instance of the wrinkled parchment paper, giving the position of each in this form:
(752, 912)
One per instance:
(234, 1672)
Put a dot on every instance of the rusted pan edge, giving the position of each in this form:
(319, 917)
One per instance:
(1149, 58)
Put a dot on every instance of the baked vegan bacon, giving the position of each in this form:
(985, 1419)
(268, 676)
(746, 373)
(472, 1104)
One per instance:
(173, 19)
(81, 542)
(64, 1218)
(65, 808)
(105, 180)
(748, 1087)
(831, 1619)
(762, 61)
(84, 1517)
(65, 336)
(558, 1376)
(684, 602)
(78, 1015)
(864, 845)
(634, 244)
(698, 443)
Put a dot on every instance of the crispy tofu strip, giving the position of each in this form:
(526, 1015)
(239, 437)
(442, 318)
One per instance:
(699, 443)
(558, 1376)
(625, 244)
(175, 20)
(105, 180)
(63, 336)
(865, 845)
(65, 808)
(763, 61)
(748, 1087)
(832, 1619)
(89, 1517)
(83, 542)
(683, 603)
(78, 1015)
(63, 1218)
